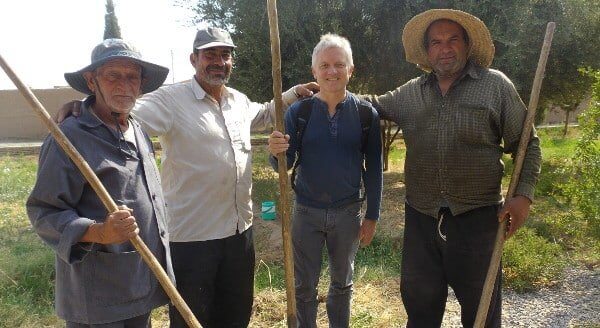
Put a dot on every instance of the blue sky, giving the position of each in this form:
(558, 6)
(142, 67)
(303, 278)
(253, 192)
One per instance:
(41, 39)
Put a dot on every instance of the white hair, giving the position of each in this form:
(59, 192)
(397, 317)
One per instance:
(331, 40)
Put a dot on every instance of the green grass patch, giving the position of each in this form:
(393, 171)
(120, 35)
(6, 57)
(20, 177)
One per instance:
(555, 235)
(380, 259)
(531, 261)
(269, 276)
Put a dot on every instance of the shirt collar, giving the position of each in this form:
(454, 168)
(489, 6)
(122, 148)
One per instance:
(87, 118)
(340, 104)
(471, 69)
(200, 93)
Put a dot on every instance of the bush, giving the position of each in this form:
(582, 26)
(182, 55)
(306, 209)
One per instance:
(582, 190)
(531, 261)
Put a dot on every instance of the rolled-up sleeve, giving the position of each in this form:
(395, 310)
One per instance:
(51, 204)
(263, 114)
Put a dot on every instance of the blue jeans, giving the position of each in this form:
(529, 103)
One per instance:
(338, 229)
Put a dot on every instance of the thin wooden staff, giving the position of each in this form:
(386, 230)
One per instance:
(490, 279)
(283, 208)
(108, 202)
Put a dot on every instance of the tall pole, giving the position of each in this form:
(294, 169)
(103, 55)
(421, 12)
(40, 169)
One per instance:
(284, 204)
(104, 196)
(172, 69)
(490, 279)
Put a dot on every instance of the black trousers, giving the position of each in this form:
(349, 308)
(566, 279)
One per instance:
(141, 321)
(216, 280)
(430, 265)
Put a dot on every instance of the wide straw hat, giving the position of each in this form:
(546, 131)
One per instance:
(481, 46)
(153, 75)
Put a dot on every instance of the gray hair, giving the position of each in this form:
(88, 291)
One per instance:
(331, 40)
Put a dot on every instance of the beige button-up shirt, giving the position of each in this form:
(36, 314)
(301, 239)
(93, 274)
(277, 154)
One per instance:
(206, 160)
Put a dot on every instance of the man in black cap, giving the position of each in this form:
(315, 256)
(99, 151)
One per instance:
(101, 281)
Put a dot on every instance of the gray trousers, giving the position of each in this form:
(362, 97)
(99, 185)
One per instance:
(338, 229)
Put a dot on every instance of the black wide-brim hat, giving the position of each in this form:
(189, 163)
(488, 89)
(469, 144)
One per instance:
(153, 76)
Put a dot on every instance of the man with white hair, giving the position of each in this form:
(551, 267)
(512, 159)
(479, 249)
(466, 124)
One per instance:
(331, 136)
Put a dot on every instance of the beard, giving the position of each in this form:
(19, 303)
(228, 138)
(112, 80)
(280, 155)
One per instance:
(216, 78)
(450, 70)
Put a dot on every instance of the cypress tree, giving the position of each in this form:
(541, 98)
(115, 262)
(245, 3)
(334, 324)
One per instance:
(111, 24)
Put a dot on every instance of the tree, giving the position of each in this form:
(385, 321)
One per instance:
(582, 190)
(374, 27)
(111, 23)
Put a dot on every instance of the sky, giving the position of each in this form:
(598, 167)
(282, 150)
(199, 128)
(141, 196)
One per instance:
(42, 39)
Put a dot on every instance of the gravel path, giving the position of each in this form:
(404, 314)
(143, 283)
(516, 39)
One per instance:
(574, 303)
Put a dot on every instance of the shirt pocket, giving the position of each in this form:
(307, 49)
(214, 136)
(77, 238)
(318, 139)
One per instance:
(239, 132)
(472, 123)
(118, 278)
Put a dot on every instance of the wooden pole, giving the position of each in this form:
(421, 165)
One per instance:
(490, 279)
(283, 208)
(108, 202)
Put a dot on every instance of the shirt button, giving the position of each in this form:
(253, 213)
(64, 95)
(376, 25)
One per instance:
(153, 196)
(162, 233)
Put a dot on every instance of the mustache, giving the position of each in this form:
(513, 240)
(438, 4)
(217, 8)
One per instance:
(217, 68)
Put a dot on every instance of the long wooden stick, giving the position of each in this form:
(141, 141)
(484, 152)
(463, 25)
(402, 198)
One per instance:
(104, 196)
(283, 208)
(490, 279)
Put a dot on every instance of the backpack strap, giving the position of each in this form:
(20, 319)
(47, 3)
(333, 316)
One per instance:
(365, 116)
(301, 121)
(366, 119)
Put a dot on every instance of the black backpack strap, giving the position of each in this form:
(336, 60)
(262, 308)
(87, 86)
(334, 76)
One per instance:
(301, 121)
(366, 119)
(365, 116)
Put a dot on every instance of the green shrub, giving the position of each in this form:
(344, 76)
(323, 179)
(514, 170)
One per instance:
(582, 189)
(531, 261)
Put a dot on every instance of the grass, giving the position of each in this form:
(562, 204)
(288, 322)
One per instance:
(552, 239)
(26, 265)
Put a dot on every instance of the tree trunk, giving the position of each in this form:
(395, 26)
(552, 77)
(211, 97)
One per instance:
(566, 129)
(387, 139)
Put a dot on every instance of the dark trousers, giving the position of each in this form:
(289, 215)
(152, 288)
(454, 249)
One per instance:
(430, 265)
(141, 321)
(216, 280)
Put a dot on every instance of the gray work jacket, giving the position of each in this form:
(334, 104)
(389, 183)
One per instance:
(98, 283)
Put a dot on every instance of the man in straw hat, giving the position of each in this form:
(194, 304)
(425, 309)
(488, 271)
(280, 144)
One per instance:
(457, 121)
(204, 129)
(101, 281)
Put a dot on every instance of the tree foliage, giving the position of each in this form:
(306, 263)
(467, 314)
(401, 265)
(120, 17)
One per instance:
(111, 23)
(583, 189)
(374, 27)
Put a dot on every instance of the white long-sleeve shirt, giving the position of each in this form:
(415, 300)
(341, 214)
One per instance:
(206, 159)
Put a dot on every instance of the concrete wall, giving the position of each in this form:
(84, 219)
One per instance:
(18, 121)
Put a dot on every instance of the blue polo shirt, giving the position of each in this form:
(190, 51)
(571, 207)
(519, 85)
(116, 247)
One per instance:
(330, 171)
